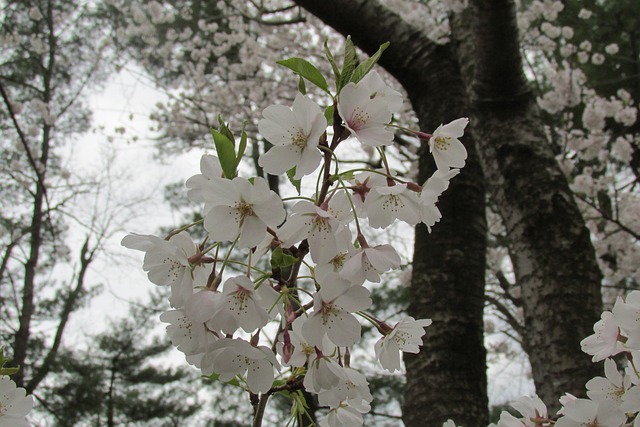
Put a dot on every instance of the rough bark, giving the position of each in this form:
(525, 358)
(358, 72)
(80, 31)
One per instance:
(552, 255)
(448, 378)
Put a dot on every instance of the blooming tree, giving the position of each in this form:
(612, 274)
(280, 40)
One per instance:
(312, 307)
(548, 42)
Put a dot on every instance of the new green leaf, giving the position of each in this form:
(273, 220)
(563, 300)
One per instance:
(226, 153)
(282, 260)
(328, 114)
(349, 63)
(295, 182)
(242, 147)
(367, 65)
(307, 70)
(332, 61)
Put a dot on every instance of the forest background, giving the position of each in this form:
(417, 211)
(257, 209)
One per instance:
(540, 230)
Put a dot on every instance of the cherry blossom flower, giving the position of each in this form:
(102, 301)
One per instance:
(362, 185)
(611, 387)
(332, 308)
(346, 250)
(347, 400)
(612, 48)
(323, 373)
(368, 263)
(319, 226)
(295, 134)
(631, 400)
(14, 404)
(604, 342)
(386, 204)
(365, 117)
(630, 369)
(167, 263)
(206, 181)
(584, 412)
(188, 336)
(566, 400)
(446, 148)
(584, 14)
(240, 306)
(531, 409)
(243, 210)
(352, 387)
(405, 336)
(294, 348)
(230, 357)
(627, 315)
(377, 88)
(437, 184)
(201, 306)
(347, 414)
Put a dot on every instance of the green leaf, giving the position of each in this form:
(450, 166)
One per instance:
(224, 129)
(347, 176)
(301, 87)
(328, 114)
(349, 63)
(226, 153)
(334, 64)
(243, 145)
(278, 383)
(367, 65)
(307, 70)
(282, 260)
(215, 377)
(4, 360)
(8, 371)
(295, 182)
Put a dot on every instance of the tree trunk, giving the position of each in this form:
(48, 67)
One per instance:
(447, 379)
(553, 258)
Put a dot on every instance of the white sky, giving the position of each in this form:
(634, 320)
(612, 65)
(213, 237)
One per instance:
(126, 102)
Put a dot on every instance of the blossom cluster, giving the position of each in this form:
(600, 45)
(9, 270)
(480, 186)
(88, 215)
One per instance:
(593, 127)
(220, 320)
(612, 400)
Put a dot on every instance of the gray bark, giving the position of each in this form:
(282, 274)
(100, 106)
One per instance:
(447, 379)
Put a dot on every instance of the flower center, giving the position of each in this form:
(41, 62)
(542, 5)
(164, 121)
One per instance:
(328, 310)
(442, 142)
(358, 119)
(175, 268)
(240, 296)
(308, 349)
(321, 223)
(298, 138)
(393, 203)
(401, 338)
(338, 260)
(244, 209)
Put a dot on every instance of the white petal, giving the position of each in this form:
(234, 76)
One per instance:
(343, 329)
(223, 223)
(280, 159)
(260, 376)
